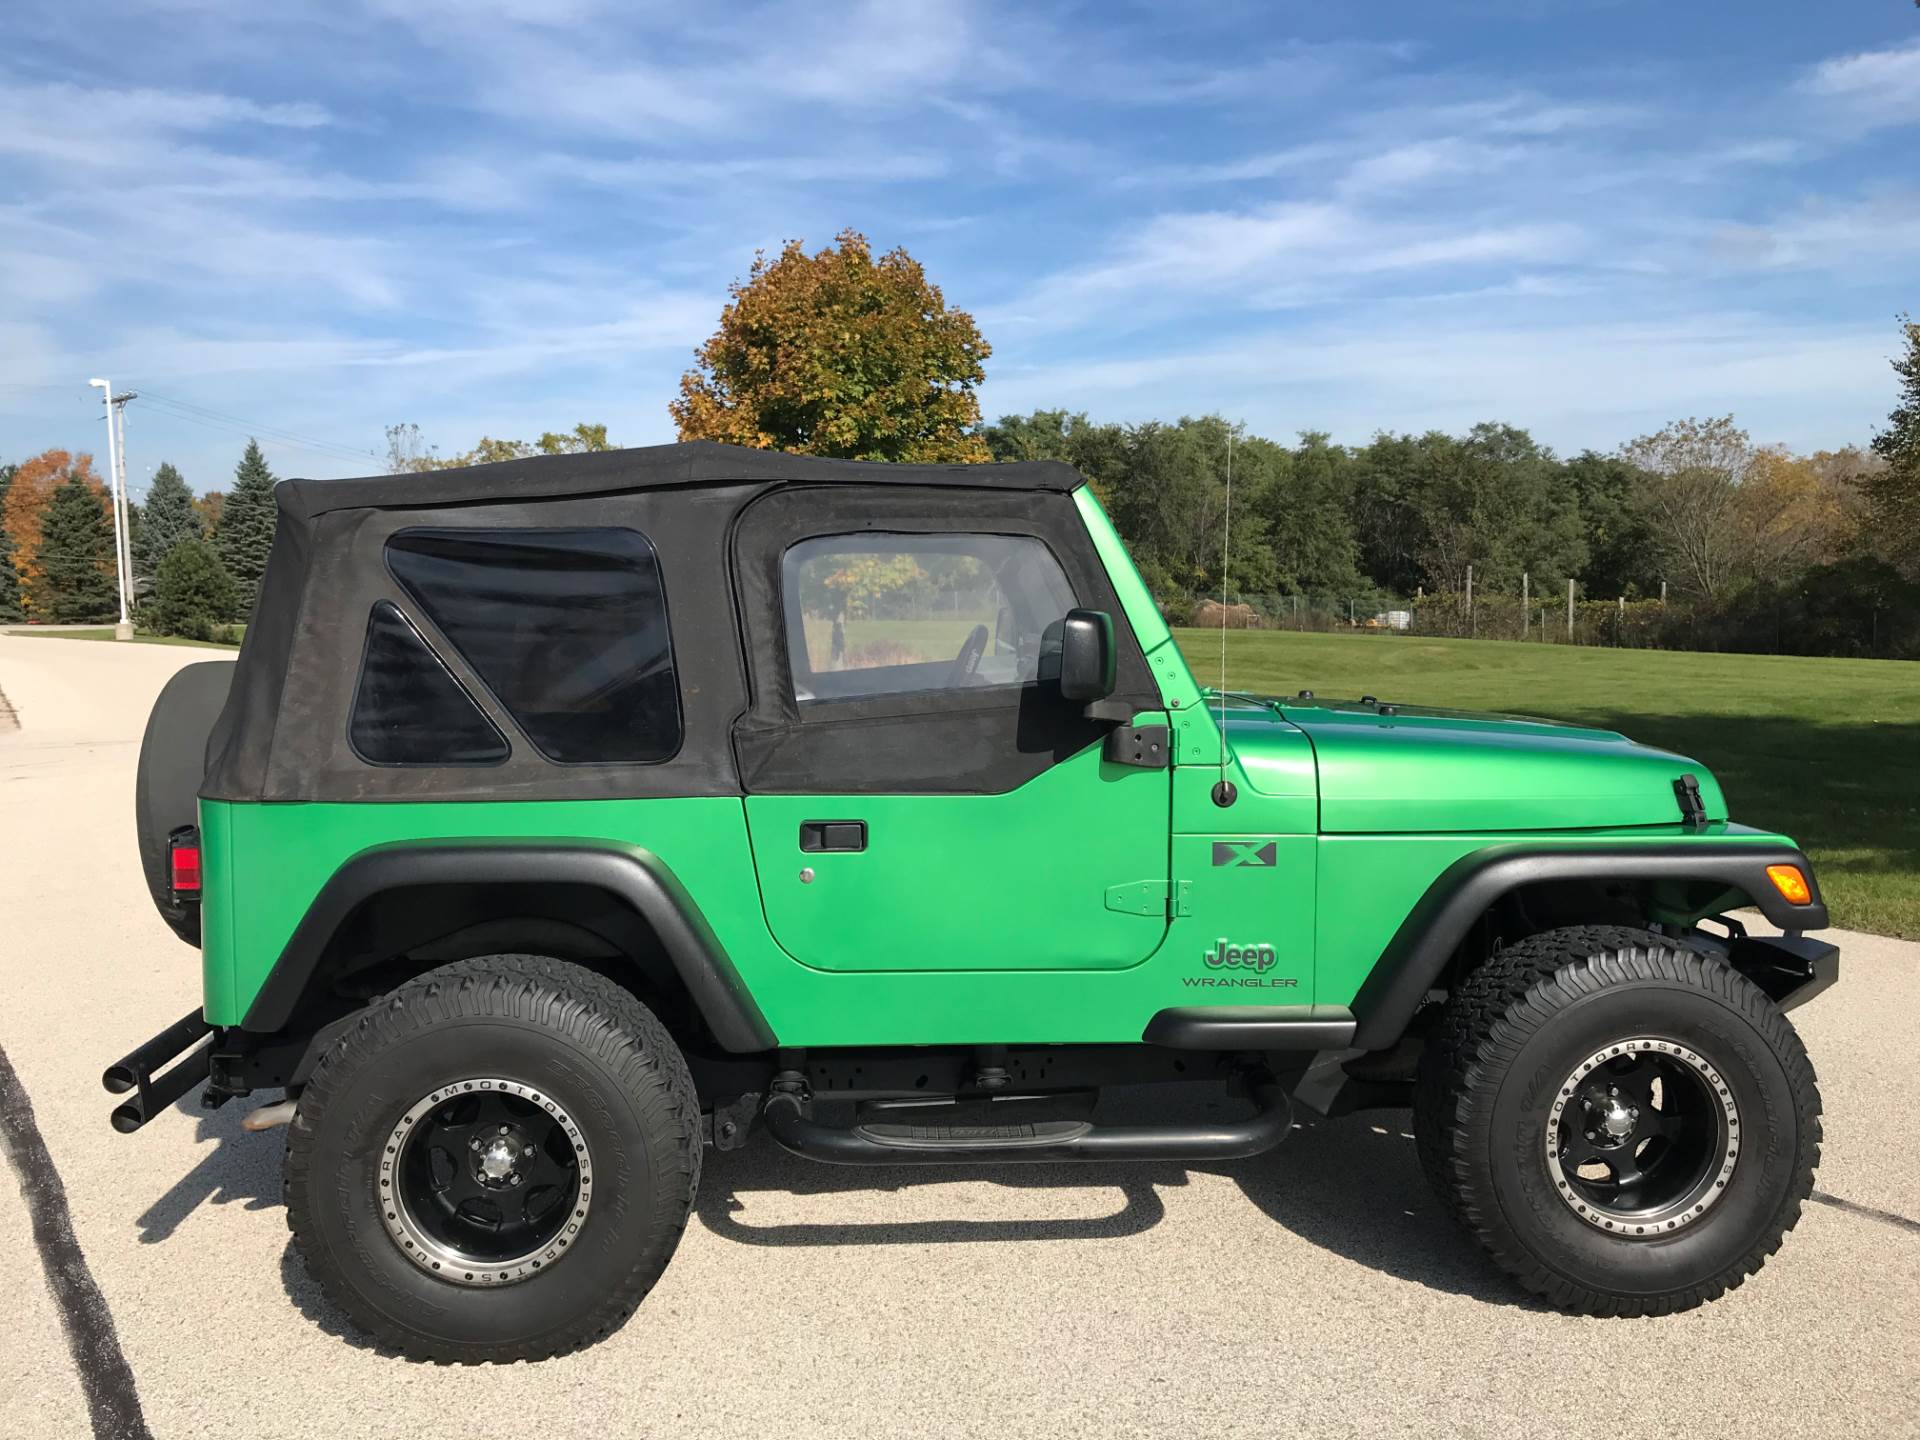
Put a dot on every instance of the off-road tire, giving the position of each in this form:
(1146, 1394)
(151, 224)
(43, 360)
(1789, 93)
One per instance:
(585, 1042)
(1515, 1029)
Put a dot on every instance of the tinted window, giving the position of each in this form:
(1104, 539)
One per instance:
(408, 709)
(878, 614)
(568, 628)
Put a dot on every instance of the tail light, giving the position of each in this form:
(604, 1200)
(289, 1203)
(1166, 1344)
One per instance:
(183, 863)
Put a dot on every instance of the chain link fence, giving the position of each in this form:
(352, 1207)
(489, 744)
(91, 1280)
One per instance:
(1763, 621)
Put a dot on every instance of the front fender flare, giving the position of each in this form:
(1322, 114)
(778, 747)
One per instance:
(628, 872)
(1434, 928)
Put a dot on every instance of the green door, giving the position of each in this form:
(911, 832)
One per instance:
(929, 801)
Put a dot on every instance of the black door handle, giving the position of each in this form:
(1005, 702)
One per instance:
(818, 835)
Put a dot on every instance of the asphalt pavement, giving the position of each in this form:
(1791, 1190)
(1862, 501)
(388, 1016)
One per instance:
(1317, 1289)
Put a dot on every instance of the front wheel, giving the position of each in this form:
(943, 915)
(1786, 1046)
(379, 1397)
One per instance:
(1629, 1128)
(496, 1162)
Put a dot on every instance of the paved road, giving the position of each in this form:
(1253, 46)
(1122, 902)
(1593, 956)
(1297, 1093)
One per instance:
(1314, 1287)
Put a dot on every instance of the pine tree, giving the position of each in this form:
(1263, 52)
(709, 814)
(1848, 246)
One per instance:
(166, 520)
(244, 535)
(192, 592)
(10, 608)
(76, 557)
(1894, 494)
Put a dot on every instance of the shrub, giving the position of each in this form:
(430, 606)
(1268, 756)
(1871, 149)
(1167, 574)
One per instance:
(192, 594)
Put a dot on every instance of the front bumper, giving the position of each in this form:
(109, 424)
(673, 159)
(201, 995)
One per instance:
(1792, 969)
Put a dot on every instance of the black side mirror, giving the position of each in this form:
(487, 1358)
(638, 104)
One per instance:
(1086, 655)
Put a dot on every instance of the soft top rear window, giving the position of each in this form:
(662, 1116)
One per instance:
(566, 627)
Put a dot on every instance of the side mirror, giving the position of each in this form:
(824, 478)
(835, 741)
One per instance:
(1086, 655)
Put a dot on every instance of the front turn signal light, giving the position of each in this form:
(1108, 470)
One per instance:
(1791, 884)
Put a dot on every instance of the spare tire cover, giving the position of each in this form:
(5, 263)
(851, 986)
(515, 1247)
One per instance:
(173, 761)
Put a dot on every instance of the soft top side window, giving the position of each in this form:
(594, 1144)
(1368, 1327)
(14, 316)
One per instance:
(878, 613)
(409, 709)
(566, 627)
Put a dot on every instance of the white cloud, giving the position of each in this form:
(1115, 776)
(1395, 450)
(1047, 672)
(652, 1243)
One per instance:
(878, 166)
(1527, 115)
(1273, 256)
(75, 124)
(1418, 162)
(1880, 87)
(1576, 381)
(1822, 234)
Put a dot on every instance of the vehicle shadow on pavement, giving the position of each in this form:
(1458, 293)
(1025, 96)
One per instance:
(240, 1168)
(1351, 1186)
(763, 1167)
(314, 1306)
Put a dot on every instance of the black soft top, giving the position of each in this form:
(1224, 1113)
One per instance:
(282, 733)
(647, 467)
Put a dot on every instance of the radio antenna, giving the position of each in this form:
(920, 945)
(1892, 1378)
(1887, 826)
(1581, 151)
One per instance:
(1223, 793)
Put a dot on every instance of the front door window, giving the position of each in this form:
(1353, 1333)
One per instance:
(894, 614)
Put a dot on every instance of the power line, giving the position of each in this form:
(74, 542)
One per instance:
(202, 414)
(218, 420)
(260, 432)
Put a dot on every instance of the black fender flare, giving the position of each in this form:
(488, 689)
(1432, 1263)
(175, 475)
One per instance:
(1439, 921)
(636, 876)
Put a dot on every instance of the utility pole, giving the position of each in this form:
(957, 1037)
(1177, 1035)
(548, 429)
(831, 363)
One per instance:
(1569, 611)
(125, 529)
(1472, 627)
(1526, 615)
(117, 496)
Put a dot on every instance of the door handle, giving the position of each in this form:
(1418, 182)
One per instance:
(824, 835)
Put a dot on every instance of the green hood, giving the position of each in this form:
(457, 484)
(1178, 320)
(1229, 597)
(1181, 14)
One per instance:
(1419, 770)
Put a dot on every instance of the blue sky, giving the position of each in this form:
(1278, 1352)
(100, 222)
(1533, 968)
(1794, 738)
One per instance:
(314, 217)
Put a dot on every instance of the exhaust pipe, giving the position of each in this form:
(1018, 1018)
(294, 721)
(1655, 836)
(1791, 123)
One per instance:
(156, 1095)
(138, 1066)
(268, 1116)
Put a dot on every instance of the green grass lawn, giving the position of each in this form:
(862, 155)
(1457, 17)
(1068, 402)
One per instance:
(105, 632)
(1827, 751)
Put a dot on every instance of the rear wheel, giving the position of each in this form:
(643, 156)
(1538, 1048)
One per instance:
(1628, 1127)
(496, 1162)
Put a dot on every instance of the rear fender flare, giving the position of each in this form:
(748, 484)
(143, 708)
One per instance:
(1419, 951)
(630, 874)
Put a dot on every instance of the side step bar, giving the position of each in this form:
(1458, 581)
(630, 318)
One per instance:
(135, 1071)
(788, 1120)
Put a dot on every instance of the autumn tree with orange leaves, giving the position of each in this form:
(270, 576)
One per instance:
(837, 353)
(23, 513)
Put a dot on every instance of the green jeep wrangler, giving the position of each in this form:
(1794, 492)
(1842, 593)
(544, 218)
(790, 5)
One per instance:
(563, 817)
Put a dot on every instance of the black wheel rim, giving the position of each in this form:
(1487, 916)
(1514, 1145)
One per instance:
(485, 1182)
(1643, 1137)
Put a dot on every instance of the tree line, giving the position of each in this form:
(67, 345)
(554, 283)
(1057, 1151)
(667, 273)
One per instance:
(1728, 532)
(197, 561)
